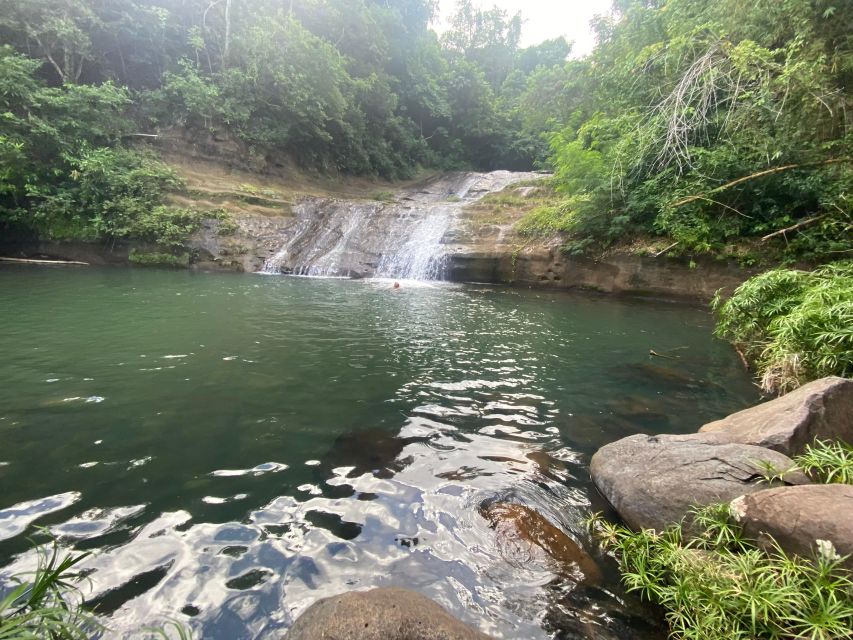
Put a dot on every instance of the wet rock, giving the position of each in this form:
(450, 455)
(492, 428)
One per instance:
(380, 614)
(797, 517)
(654, 481)
(524, 536)
(822, 409)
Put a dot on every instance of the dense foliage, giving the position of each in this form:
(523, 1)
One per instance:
(710, 123)
(714, 584)
(341, 86)
(795, 325)
(705, 123)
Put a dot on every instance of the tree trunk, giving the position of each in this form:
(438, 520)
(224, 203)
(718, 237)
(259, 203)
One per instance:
(227, 46)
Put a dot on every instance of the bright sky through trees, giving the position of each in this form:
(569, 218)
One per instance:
(544, 19)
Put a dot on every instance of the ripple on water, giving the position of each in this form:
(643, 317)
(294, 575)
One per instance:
(259, 470)
(96, 522)
(15, 519)
(458, 396)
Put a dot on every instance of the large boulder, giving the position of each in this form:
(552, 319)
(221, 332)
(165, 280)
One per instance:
(797, 517)
(821, 409)
(654, 481)
(380, 614)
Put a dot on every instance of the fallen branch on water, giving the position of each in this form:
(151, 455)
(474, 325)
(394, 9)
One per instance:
(654, 353)
(743, 359)
(34, 261)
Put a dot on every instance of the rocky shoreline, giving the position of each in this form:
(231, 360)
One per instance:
(654, 481)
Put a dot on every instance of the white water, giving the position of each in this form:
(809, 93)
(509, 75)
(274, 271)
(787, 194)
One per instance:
(319, 260)
(422, 257)
(405, 239)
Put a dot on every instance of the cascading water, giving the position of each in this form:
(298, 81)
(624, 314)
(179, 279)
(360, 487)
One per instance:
(404, 239)
(421, 257)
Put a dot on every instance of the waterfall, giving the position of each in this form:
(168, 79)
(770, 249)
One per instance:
(403, 239)
(422, 256)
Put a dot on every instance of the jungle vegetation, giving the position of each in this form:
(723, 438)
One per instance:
(794, 325)
(709, 124)
(715, 124)
(358, 87)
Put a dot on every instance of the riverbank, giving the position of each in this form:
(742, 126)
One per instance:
(727, 532)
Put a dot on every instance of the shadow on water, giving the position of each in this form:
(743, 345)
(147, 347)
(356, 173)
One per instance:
(234, 448)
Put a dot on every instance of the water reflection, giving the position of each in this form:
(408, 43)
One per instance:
(295, 439)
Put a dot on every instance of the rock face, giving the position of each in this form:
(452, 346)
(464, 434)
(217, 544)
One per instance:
(380, 614)
(654, 481)
(526, 537)
(821, 409)
(796, 517)
(546, 266)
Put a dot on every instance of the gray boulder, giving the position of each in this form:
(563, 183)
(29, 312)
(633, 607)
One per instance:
(380, 614)
(821, 409)
(796, 517)
(654, 481)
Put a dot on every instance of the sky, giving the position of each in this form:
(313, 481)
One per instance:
(544, 19)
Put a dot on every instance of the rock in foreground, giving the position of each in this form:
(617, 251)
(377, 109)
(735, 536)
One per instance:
(380, 614)
(526, 538)
(822, 409)
(654, 481)
(796, 517)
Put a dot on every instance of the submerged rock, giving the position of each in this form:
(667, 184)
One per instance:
(370, 450)
(654, 481)
(524, 536)
(822, 409)
(380, 614)
(798, 517)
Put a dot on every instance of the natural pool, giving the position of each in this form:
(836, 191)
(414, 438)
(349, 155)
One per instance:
(233, 447)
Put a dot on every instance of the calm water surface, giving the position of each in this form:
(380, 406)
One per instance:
(233, 447)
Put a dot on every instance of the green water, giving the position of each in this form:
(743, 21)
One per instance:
(233, 447)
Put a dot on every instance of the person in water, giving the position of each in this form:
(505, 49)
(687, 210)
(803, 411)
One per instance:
(396, 285)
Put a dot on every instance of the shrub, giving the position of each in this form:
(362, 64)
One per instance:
(715, 585)
(795, 325)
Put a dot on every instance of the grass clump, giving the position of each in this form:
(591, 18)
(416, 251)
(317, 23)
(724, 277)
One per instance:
(714, 584)
(47, 604)
(383, 196)
(516, 202)
(794, 325)
(547, 220)
(828, 462)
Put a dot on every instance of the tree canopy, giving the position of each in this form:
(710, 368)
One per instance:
(705, 123)
(711, 123)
